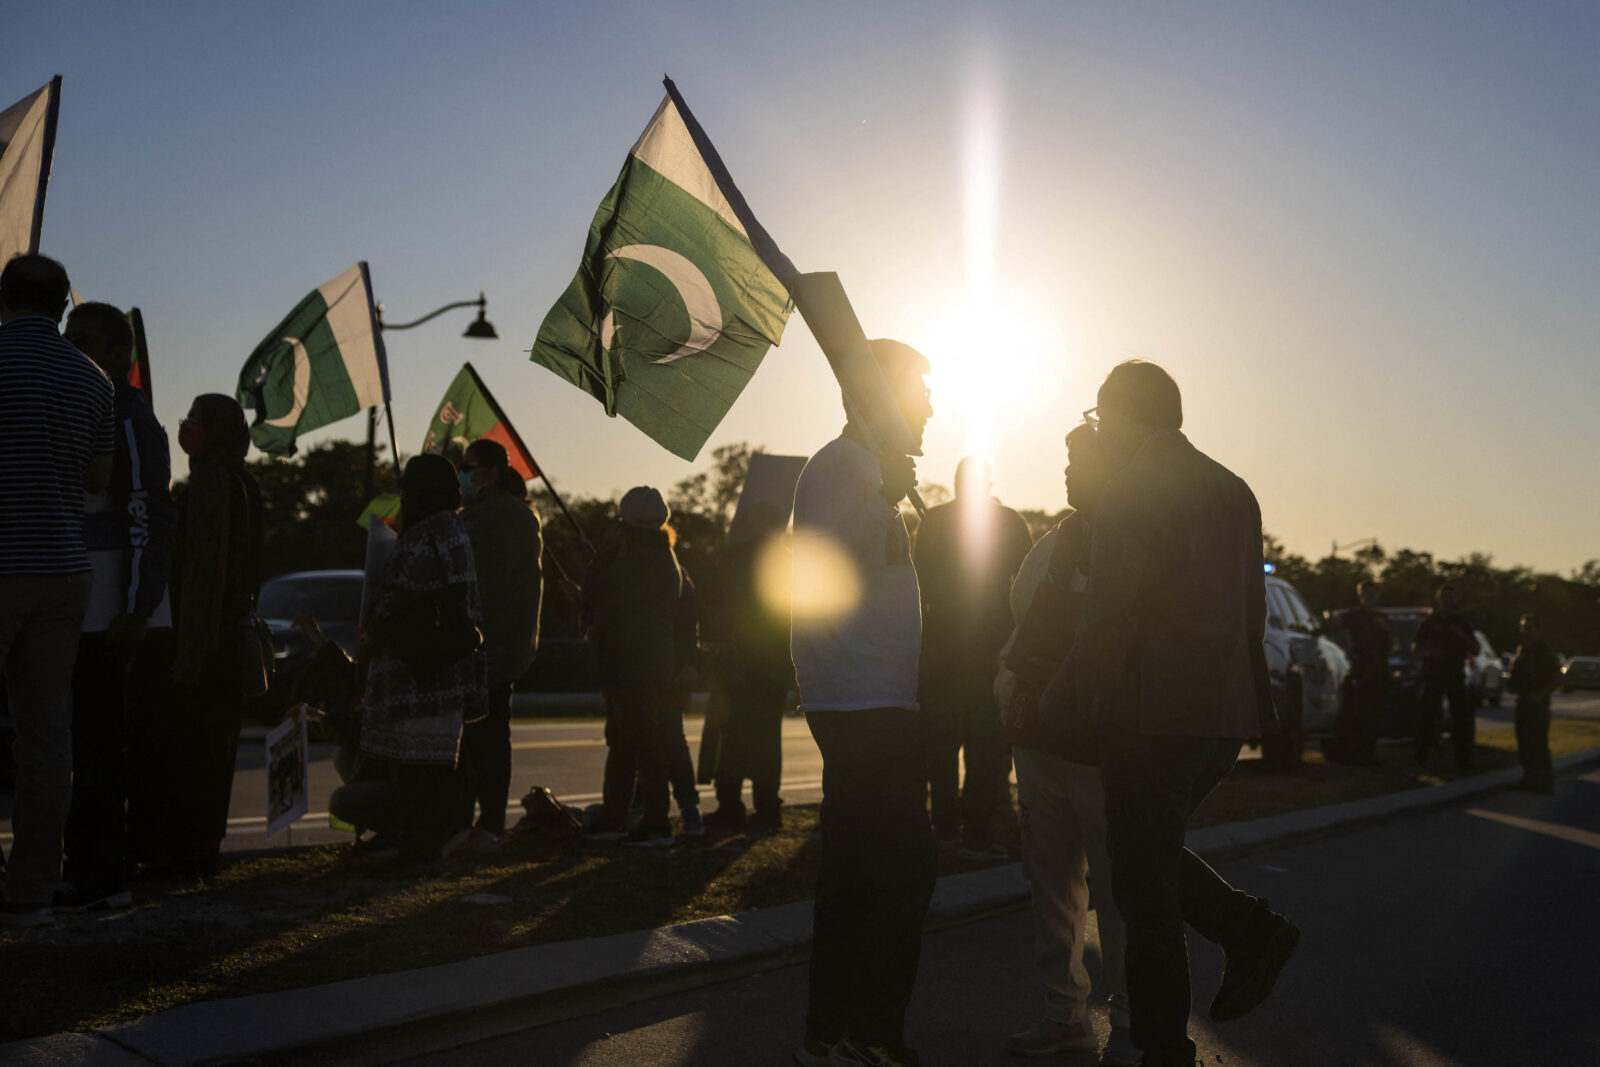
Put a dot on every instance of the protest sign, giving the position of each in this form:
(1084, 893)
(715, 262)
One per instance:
(288, 780)
(767, 499)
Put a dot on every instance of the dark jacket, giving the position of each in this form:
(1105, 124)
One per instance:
(966, 556)
(754, 629)
(1445, 639)
(1175, 612)
(1535, 672)
(506, 550)
(632, 602)
(1371, 643)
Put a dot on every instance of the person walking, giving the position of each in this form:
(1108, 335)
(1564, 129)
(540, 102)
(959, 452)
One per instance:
(1170, 661)
(1444, 642)
(215, 579)
(967, 552)
(57, 431)
(503, 529)
(426, 674)
(857, 672)
(1535, 676)
(129, 531)
(1355, 737)
(632, 596)
(1058, 782)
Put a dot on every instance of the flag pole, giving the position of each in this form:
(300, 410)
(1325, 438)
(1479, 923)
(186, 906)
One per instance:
(394, 447)
(538, 467)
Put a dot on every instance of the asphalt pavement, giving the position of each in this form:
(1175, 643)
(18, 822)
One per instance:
(1466, 935)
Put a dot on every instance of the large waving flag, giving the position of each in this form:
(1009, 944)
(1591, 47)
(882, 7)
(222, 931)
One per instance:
(27, 144)
(468, 412)
(323, 362)
(679, 294)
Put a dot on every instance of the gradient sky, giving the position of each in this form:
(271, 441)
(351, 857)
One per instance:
(1364, 237)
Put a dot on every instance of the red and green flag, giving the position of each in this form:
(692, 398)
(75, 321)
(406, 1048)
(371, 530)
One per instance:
(139, 376)
(467, 413)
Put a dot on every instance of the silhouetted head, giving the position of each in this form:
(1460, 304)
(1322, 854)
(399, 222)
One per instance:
(1368, 592)
(427, 487)
(1530, 626)
(214, 432)
(102, 333)
(33, 285)
(1137, 399)
(903, 368)
(1087, 469)
(1446, 598)
(643, 508)
(482, 467)
(972, 478)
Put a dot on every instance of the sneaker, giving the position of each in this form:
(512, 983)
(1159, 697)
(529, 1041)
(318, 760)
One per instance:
(70, 900)
(1120, 1051)
(640, 837)
(813, 1053)
(982, 852)
(1252, 964)
(26, 916)
(848, 1054)
(727, 817)
(693, 824)
(1051, 1038)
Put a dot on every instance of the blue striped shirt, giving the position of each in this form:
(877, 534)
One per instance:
(55, 415)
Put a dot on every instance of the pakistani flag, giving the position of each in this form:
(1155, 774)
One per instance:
(468, 412)
(323, 362)
(27, 144)
(679, 294)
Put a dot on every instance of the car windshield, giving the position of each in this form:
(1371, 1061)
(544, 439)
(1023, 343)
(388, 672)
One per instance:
(326, 597)
(1404, 628)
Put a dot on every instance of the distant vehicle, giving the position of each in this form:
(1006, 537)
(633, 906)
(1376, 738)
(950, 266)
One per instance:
(1485, 680)
(1581, 672)
(1405, 671)
(1307, 671)
(332, 597)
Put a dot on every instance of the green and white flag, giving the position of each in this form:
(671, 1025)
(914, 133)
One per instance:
(323, 362)
(679, 294)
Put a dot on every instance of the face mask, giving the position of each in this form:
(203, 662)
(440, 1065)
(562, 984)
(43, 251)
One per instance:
(191, 437)
(469, 487)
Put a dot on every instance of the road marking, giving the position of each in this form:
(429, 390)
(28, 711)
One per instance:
(1538, 826)
(1592, 776)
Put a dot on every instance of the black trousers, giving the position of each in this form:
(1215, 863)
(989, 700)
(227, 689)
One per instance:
(1445, 682)
(636, 752)
(410, 806)
(486, 762)
(1533, 742)
(754, 747)
(95, 840)
(680, 765)
(1152, 785)
(876, 878)
(961, 717)
(1355, 734)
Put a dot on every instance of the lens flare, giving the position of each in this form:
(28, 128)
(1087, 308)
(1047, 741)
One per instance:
(822, 586)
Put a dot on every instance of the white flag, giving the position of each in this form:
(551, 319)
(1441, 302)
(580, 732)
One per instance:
(27, 141)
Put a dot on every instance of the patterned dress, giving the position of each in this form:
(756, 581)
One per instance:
(407, 718)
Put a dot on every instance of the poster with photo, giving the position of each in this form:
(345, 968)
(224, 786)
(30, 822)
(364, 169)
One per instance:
(288, 780)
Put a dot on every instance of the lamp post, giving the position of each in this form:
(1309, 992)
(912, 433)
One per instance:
(480, 328)
(1363, 543)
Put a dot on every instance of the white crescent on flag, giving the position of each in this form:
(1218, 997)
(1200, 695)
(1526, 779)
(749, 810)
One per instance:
(699, 299)
(302, 385)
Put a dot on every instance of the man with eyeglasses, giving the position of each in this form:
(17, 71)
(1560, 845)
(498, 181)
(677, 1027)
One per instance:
(1170, 661)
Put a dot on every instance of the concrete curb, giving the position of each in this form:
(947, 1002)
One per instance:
(572, 978)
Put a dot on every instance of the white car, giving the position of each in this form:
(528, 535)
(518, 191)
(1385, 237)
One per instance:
(1485, 680)
(1307, 671)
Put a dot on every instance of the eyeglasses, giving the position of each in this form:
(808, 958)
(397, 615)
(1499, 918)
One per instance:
(1091, 418)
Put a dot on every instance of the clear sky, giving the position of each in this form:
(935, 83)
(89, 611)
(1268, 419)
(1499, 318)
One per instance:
(1364, 237)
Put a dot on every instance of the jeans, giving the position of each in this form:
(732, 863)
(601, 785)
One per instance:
(876, 878)
(1442, 682)
(635, 752)
(1064, 839)
(1152, 785)
(1533, 742)
(97, 827)
(486, 762)
(961, 717)
(41, 617)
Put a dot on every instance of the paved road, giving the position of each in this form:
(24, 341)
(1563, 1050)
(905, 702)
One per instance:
(568, 756)
(1466, 936)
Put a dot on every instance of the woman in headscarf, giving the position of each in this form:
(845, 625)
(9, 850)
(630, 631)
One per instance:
(425, 673)
(215, 578)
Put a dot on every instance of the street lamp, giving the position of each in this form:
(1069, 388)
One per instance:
(480, 328)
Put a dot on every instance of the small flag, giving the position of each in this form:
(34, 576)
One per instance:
(679, 294)
(27, 145)
(468, 412)
(139, 376)
(323, 362)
